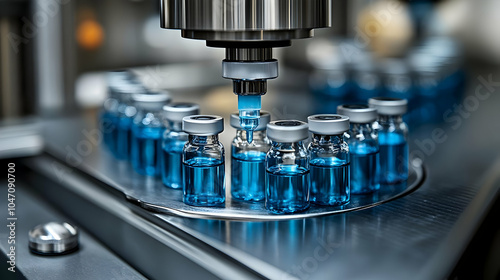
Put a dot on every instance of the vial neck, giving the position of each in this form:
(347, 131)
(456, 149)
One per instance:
(203, 140)
(257, 135)
(361, 127)
(287, 145)
(175, 126)
(328, 139)
(385, 119)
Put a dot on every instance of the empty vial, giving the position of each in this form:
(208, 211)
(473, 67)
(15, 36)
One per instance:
(203, 161)
(392, 137)
(363, 147)
(125, 117)
(248, 170)
(287, 167)
(329, 159)
(147, 130)
(174, 140)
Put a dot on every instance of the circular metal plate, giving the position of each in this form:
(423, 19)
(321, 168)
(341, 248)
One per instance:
(159, 198)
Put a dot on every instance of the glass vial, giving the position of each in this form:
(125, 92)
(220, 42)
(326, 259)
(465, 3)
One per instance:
(248, 170)
(125, 116)
(363, 147)
(174, 140)
(109, 113)
(203, 161)
(392, 137)
(287, 167)
(147, 130)
(329, 159)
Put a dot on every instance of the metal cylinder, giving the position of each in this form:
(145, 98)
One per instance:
(245, 20)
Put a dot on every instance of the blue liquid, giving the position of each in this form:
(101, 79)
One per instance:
(329, 181)
(146, 150)
(393, 158)
(123, 138)
(108, 128)
(248, 175)
(204, 182)
(364, 171)
(172, 164)
(287, 189)
(249, 107)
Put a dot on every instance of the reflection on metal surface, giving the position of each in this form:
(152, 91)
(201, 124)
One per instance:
(245, 19)
(160, 199)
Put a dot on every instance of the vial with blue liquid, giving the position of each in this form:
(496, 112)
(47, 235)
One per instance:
(203, 161)
(115, 80)
(147, 131)
(287, 167)
(125, 117)
(366, 80)
(392, 137)
(174, 140)
(364, 154)
(248, 170)
(330, 163)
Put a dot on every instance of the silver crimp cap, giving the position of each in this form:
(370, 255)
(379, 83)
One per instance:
(151, 100)
(177, 111)
(358, 113)
(328, 124)
(287, 131)
(203, 125)
(265, 118)
(389, 106)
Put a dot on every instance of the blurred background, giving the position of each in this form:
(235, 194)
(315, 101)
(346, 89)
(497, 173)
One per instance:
(53, 53)
(54, 56)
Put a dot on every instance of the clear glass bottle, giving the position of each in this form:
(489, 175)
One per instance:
(392, 137)
(174, 140)
(147, 131)
(329, 155)
(287, 167)
(364, 154)
(248, 170)
(203, 161)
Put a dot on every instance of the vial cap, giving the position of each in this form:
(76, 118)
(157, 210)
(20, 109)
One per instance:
(176, 111)
(287, 131)
(358, 113)
(328, 124)
(151, 100)
(389, 106)
(203, 125)
(265, 118)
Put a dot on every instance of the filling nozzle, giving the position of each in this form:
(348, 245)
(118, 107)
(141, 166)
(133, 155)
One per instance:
(249, 107)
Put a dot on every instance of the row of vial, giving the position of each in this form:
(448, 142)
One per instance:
(276, 166)
(430, 76)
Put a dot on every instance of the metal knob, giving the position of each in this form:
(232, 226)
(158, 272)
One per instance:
(53, 239)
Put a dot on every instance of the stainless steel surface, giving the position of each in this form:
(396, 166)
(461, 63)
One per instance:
(243, 20)
(20, 138)
(53, 238)
(93, 260)
(159, 252)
